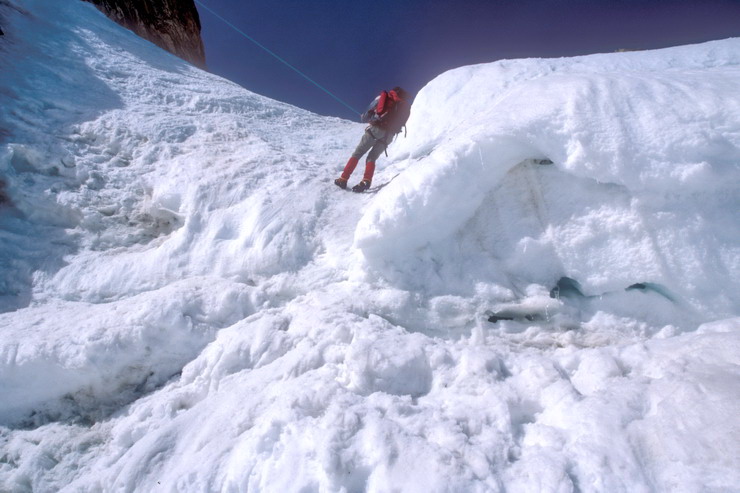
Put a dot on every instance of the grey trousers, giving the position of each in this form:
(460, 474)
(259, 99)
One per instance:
(374, 140)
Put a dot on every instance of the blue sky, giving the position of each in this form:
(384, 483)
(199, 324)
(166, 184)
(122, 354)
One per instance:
(356, 48)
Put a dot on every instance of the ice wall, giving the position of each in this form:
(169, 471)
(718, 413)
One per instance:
(646, 149)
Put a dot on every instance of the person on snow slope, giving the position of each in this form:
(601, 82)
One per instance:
(386, 115)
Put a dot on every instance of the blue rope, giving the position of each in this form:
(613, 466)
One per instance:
(277, 56)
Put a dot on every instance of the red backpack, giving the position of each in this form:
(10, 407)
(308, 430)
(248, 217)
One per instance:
(389, 111)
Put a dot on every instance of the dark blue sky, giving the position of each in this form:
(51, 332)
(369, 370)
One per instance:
(356, 48)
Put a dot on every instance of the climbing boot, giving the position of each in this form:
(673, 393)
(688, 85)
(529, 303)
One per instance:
(341, 183)
(361, 187)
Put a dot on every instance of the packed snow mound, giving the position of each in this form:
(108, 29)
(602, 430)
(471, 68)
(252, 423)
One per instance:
(189, 304)
(144, 200)
(646, 150)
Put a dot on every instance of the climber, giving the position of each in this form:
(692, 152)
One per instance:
(387, 115)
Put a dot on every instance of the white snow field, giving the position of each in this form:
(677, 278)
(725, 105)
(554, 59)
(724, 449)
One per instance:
(190, 305)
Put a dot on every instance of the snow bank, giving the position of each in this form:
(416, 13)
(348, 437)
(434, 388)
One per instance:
(63, 351)
(142, 173)
(145, 215)
(645, 149)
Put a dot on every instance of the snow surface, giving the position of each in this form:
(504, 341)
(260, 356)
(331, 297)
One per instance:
(189, 304)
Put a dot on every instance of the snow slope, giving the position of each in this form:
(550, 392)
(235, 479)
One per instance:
(189, 304)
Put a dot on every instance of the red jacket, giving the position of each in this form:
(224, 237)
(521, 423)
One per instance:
(383, 103)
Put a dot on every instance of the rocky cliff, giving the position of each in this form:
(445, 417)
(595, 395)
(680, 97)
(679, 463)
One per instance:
(170, 24)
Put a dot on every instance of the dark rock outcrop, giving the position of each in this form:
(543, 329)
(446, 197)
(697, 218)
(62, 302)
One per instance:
(173, 25)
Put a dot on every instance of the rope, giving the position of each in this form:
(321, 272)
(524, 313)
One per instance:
(276, 56)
